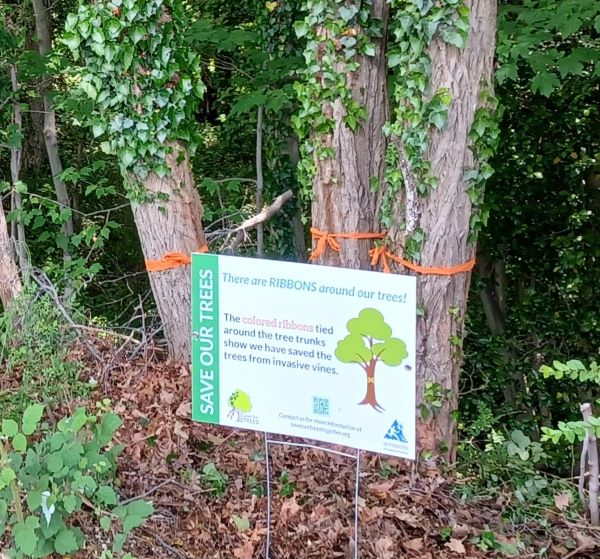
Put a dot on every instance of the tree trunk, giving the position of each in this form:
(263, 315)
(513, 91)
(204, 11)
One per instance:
(444, 217)
(370, 397)
(343, 199)
(16, 154)
(42, 26)
(10, 282)
(172, 226)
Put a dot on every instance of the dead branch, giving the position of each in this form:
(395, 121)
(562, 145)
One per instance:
(266, 214)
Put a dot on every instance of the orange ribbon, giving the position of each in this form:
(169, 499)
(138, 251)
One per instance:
(381, 255)
(171, 260)
(324, 239)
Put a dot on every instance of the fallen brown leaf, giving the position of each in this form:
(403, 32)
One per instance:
(416, 544)
(562, 500)
(456, 546)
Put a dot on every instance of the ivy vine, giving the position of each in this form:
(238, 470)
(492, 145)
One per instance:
(142, 77)
(336, 32)
(485, 137)
(414, 24)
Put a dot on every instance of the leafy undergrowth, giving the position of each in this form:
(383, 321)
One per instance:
(208, 487)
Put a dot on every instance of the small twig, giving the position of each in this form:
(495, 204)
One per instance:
(96, 330)
(575, 552)
(149, 492)
(167, 547)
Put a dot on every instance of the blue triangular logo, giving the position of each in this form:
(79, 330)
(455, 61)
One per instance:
(396, 433)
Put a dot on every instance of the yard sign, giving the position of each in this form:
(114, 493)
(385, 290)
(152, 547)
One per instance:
(308, 351)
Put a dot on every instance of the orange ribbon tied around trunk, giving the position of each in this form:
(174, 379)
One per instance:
(379, 255)
(324, 239)
(172, 260)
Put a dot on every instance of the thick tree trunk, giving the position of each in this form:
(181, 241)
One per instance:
(343, 199)
(444, 217)
(42, 26)
(10, 282)
(174, 225)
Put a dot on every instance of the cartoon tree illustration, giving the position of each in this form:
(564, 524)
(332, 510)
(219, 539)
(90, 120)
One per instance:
(369, 341)
(240, 403)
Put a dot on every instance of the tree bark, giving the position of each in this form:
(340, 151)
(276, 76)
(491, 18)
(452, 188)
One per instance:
(444, 217)
(16, 154)
(343, 200)
(174, 225)
(10, 282)
(42, 26)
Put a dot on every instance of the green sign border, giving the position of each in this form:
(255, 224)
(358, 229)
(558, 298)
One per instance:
(205, 338)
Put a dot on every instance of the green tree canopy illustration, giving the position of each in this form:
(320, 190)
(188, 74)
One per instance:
(368, 342)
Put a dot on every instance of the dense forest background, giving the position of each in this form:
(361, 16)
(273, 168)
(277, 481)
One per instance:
(532, 332)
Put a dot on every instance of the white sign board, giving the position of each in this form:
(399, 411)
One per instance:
(308, 351)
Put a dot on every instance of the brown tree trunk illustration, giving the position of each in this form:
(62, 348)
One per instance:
(370, 398)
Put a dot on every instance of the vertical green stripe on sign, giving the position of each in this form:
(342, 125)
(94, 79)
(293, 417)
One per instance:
(205, 338)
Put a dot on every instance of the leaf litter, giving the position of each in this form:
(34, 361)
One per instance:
(208, 486)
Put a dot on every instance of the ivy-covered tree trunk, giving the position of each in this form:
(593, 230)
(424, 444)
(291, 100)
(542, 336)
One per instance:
(143, 105)
(349, 107)
(174, 225)
(10, 282)
(442, 211)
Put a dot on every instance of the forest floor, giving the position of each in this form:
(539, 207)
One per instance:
(207, 484)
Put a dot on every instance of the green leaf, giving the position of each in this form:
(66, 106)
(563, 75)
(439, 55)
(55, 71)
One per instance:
(65, 542)
(455, 38)
(348, 12)
(70, 503)
(107, 495)
(89, 89)
(24, 535)
(71, 40)
(394, 59)
(301, 28)
(6, 476)
(34, 500)
(111, 422)
(242, 524)
(19, 442)
(31, 417)
(105, 523)
(54, 462)
(545, 83)
(9, 427)
(137, 512)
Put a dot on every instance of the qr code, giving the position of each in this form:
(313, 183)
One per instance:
(320, 405)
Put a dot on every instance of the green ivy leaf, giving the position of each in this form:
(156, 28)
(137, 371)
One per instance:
(301, 28)
(394, 59)
(71, 40)
(348, 12)
(455, 38)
